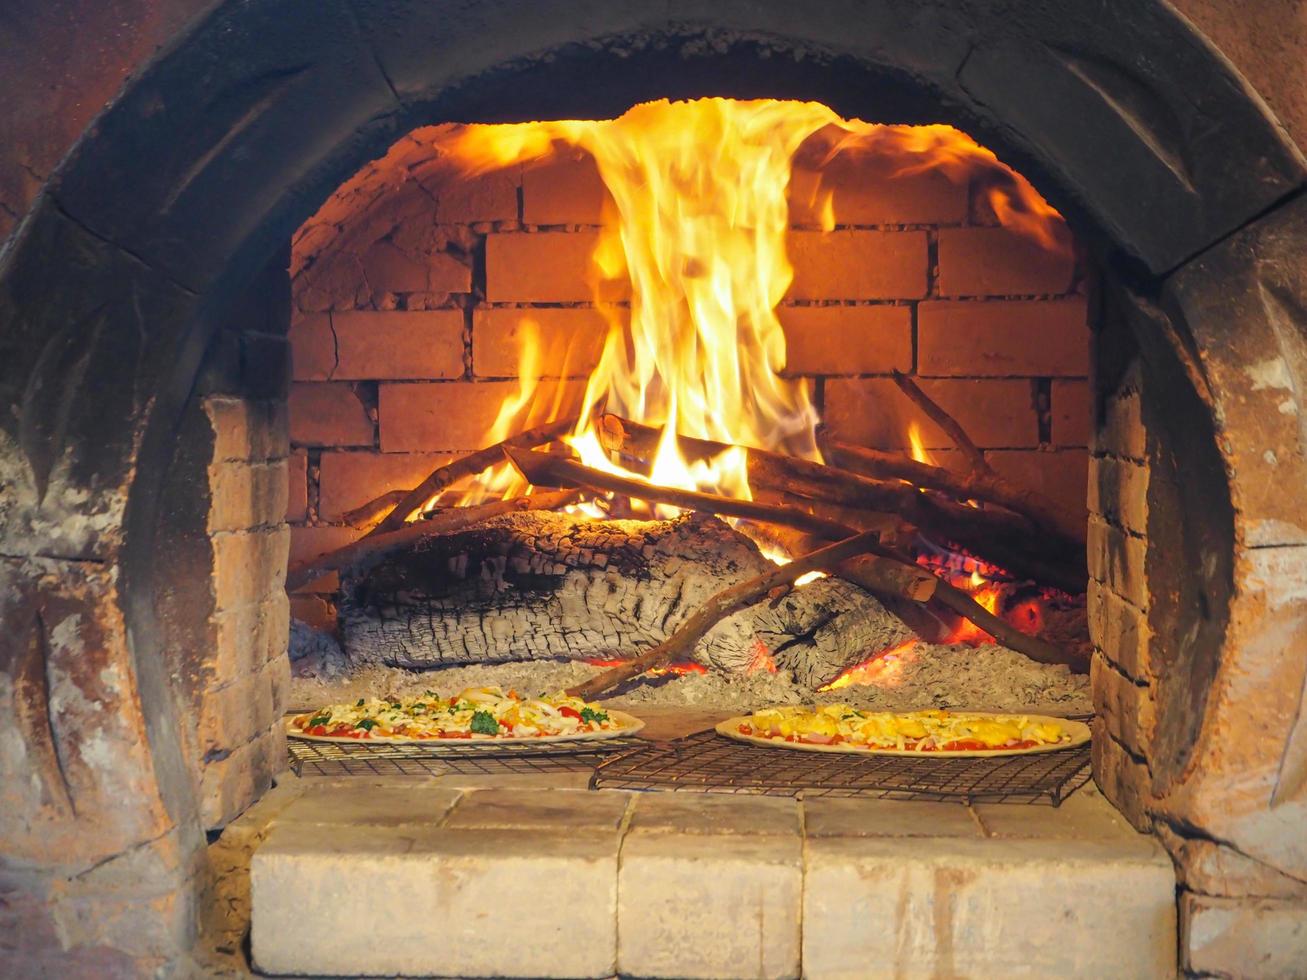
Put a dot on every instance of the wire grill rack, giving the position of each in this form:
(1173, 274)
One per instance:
(710, 763)
(337, 759)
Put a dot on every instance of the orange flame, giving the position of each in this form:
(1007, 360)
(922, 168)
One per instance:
(916, 446)
(885, 669)
(699, 223)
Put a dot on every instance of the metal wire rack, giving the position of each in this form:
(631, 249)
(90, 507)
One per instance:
(361, 759)
(710, 763)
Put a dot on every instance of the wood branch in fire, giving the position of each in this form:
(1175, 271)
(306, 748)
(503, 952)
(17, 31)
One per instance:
(890, 576)
(470, 465)
(936, 413)
(986, 486)
(999, 535)
(542, 585)
(878, 574)
(305, 572)
(547, 470)
(721, 605)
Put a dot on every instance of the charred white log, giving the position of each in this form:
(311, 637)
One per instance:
(541, 585)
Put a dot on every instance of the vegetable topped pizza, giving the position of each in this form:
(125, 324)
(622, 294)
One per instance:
(476, 713)
(842, 728)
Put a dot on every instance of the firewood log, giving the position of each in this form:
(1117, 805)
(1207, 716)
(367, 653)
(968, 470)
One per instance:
(1003, 537)
(541, 585)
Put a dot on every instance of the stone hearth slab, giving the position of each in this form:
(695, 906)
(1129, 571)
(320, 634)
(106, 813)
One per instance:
(419, 878)
(703, 813)
(561, 810)
(386, 901)
(697, 905)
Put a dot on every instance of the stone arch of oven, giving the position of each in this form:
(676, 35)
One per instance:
(186, 187)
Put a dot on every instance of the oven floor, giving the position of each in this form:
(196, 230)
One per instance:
(533, 875)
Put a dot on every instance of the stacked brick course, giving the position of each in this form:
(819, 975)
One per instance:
(220, 549)
(413, 287)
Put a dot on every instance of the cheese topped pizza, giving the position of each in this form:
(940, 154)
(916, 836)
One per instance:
(841, 727)
(476, 713)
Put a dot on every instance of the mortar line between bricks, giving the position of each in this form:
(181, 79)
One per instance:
(980, 823)
(623, 827)
(1116, 668)
(1129, 602)
(803, 872)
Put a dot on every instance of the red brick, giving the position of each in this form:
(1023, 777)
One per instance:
(349, 480)
(230, 783)
(1071, 413)
(245, 638)
(312, 347)
(999, 338)
(873, 412)
(1118, 492)
(391, 271)
(1124, 780)
(1126, 707)
(1063, 475)
(232, 714)
(335, 281)
(1120, 632)
(458, 415)
(446, 274)
(847, 339)
(398, 344)
(858, 264)
(247, 495)
(998, 262)
(1123, 432)
(568, 341)
(541, 267)
(865, 193)
(1118, 560)
(328, 414)
(310, 542)
(247, 430)
(463, 200)
(314, 611)
(564, 191)
(248, 566)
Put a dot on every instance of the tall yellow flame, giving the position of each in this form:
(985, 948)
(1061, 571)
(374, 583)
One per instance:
(699, 192)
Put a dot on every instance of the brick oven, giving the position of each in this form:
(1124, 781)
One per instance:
(250, 308)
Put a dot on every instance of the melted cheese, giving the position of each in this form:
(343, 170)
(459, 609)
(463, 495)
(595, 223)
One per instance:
(922, 730)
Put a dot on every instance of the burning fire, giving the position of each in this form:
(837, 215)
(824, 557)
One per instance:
(885, 669)
(698, 228)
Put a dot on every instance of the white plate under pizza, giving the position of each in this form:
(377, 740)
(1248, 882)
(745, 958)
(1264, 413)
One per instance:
(933, 733)
(476, 716)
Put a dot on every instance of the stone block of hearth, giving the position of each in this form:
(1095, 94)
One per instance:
(429, 901)
(836, 817)
(704, 813)
(709, 905)
(887, 907)
(560, 810)
(1241, 937)
(399, 802)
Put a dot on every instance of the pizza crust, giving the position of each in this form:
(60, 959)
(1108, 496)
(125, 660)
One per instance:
(1078, 731)
(628, 725)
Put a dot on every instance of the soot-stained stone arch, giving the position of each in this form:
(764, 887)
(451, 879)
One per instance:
(188, 184)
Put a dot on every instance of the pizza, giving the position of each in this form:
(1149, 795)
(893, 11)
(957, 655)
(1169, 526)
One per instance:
(843, 728)
(476, 714)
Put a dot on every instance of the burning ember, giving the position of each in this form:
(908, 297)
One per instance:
(698, 228)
